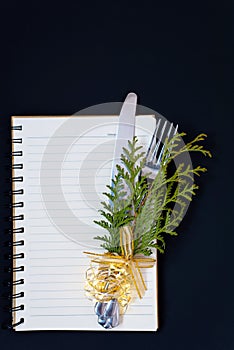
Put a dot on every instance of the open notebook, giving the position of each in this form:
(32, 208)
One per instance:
(61, 166)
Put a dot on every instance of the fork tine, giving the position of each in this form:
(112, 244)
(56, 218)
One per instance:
(175, 131)
(162, 132)
(169, 131)
(163, 147)
(154, 156)
(154, 138)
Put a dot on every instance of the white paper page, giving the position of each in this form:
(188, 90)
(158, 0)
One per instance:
(66, 166)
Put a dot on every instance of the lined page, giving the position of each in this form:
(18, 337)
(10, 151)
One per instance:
(66, 166)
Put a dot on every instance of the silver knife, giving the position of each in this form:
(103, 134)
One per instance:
(108, 314)
(126, 129)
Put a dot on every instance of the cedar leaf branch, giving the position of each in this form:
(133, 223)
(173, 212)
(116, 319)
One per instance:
(153, 211)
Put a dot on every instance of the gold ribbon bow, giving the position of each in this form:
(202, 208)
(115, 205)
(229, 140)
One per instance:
(115, 273)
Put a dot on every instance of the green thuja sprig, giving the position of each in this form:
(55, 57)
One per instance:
(126, 194)
(151, 211)
(167, 199)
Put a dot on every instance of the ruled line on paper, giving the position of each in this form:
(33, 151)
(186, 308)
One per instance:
(38, 299)
(52, 177)
(56, 282)
(80, 136)
(65, 282)
(80, 152)
(59, 266)
(56, 257)
(69, 306)
(90, 233)
(56, 274)
(36, 226)
(57, 185)
(71, 137)
(51, 249)
(56, 217)
(55, 291)
(69, 298)
(79, 145)
(56, 209)
(62, 290)
(71, 200)
(81, 315)
(45, 241)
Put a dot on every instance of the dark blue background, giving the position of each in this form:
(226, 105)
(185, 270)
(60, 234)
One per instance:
(60, 57)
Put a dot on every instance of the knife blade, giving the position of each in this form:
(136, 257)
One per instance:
(126, 129)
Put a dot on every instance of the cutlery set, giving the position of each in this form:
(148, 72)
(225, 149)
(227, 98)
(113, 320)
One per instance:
(108, 312)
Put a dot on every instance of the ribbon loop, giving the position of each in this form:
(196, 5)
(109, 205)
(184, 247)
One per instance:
(126, 241)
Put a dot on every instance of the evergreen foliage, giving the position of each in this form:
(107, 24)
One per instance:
(152, 211)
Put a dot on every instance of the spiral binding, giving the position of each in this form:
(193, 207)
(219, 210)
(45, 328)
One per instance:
(11, 243)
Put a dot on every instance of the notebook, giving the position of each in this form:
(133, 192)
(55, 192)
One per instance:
(61, 166)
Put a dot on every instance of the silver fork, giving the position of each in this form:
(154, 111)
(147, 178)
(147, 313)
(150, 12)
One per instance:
(155, 153)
